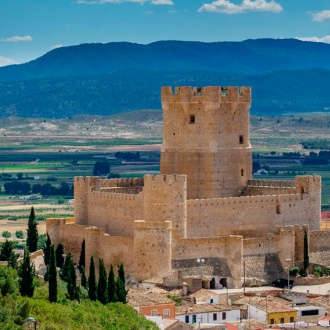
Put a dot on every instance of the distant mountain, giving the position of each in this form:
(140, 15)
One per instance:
(285, 74)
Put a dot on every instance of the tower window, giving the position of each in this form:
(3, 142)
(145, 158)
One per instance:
(241, 139)
(242, 172)
(192, 119)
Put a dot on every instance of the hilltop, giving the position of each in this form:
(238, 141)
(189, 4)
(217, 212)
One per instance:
(286, 75)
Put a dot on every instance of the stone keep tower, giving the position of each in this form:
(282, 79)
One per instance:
(206, 136)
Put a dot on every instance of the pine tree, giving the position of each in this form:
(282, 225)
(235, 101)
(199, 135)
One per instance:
(32, 232)
(112, 296)
(102, 291)
(7, 254)
(82, 256)
(92, 280)
(83, 278)
(52, 276)
(306, 255)
(46, 250)
(59, 255)
(27, 273)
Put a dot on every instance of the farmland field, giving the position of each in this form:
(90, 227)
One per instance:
(54, 151)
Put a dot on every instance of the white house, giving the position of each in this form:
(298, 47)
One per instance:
(206, 314)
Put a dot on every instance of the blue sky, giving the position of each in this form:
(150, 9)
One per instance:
(31, 28)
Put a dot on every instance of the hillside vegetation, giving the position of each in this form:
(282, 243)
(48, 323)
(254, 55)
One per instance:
(286, 75)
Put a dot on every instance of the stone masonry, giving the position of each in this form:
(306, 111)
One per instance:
(195, 210)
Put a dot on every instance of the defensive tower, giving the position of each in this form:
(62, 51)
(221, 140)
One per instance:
(206, 136)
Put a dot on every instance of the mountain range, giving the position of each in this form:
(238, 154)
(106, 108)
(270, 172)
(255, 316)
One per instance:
(286, 76)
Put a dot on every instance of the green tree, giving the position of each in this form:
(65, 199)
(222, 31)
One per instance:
(71, 278)
(65, 271)
(59, 255)
(19, 234)
(121, 273)
(6, 234)
(27, 274)
(112, 295)
(306, 254)
(92, 280)
(7, 254)
(8, 281)
(102, 291)
(32, 232)
(82, 256)
(120, 290)
(46, 250)
(101, 167)
(83, 279)
(52, 276)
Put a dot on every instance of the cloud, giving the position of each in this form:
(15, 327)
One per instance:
(227, 7)
(162, 2)
(6, 61)
(56, 46)
(101, 2)
(17, 39)
(325, 39)
(321, 16)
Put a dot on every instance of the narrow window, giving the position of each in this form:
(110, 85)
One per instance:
(194, 319)
(291, 319)
(166, 312)
(272, 321)
(211, 301)
(241, 139)
(215, 316)
(154, 312)
(186, 318)
(223, 315)
(282, 320)
(242, 172)
(192, 119)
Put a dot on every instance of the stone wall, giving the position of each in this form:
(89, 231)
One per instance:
(266, 256)
(206, 137)
(222, 258)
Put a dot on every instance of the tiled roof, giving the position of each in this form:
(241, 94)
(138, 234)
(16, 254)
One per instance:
(136, 297)
(202, 308)
(203, 295)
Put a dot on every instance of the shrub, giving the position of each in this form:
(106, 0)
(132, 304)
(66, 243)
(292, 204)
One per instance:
(6, 234)
(302, 272)
(294, 271)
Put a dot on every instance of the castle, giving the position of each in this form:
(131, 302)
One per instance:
(203, 215)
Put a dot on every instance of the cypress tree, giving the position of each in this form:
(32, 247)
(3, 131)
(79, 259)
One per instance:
(121, 273)
(65, 271)
(306, 255)
(59, 255)
(82, 256)
(83, 278)
(27, 273)
(32, 232)
(52, 276)
(92, 280)
(120, 290)
(71, 279)
(46, 250)
(102, 290)
(112, 295)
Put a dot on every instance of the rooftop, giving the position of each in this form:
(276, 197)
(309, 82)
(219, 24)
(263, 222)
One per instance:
(203, 295)
(136, 297)
(202, 308)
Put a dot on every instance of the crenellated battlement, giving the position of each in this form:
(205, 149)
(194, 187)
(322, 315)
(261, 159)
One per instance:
(208, 94)
(146, 225)
(114, 196)
(165, 179)
(271, 183)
